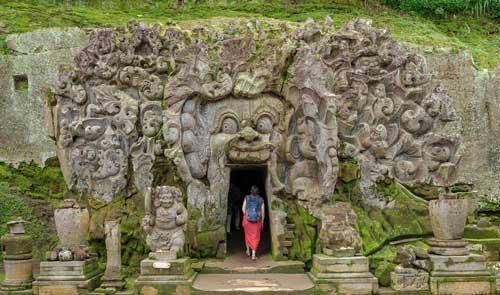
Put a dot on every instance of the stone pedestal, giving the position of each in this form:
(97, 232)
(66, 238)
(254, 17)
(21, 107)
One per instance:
(414, 281)
(166, 276)
(18, 262)
(67, 277)
(448, 247)
(456, 275)
(343, 275)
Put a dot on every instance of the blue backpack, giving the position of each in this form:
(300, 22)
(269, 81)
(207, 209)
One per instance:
(253, 207)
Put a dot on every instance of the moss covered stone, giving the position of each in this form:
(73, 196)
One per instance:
(383, 273)
(476, 232)
(46, 183)
(305, 233)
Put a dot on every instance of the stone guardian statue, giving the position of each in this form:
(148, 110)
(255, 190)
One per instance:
(164, 221)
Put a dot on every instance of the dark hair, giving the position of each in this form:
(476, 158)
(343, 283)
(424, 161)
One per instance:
(255, 187)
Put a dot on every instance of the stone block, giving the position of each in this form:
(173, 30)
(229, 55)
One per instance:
(18, 273)
(17, 246)
(58, 290)
(68, 270)
(165, 277)
(328, 264)
(467, 263)
(62, 277)
(418, 281)
(347, 286)
(166, 289)
(343, 275)
(467, 284)
(18, 292)
(155, 285)
(174, 267)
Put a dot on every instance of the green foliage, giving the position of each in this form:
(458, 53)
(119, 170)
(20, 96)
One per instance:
(478, 35)
(46, 183)
(441, 8)
(475, 232)
(28, 191)
(13, 205)
(383, 273)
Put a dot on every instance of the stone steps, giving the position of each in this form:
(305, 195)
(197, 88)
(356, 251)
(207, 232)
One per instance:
(274, 283)
(241, 264)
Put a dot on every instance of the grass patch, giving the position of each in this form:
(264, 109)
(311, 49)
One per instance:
(13, 205)
(479, 35)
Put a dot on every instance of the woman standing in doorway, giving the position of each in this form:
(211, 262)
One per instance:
(253, 220)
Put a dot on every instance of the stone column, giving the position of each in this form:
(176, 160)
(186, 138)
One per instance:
(112, 278)
(454, 270)
(18, 260)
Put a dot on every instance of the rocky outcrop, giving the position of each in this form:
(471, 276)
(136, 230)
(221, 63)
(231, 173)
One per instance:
(476, 99)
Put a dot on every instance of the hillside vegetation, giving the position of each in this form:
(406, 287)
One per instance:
(428, 25)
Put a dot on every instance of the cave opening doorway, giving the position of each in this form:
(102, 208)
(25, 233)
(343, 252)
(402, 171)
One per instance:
(241, 180)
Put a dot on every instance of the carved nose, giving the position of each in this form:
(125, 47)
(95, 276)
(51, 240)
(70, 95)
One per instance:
(249, 135)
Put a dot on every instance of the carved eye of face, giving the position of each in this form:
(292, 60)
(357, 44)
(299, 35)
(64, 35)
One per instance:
(264, 124)
(229, 126)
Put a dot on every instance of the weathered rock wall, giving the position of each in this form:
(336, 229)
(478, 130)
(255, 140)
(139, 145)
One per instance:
(24, 137)
(24, 77)
(476, 98)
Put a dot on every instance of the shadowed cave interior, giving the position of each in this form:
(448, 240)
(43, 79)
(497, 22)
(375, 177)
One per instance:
(240, 183)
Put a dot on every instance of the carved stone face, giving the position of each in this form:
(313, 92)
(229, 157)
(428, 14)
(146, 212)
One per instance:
(151, 122)
(166, 199)
(247, 129)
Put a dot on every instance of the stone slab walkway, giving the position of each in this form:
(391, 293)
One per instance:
(240, 263)
(253, 283)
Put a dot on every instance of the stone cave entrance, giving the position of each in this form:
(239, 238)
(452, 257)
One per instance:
(241, 180)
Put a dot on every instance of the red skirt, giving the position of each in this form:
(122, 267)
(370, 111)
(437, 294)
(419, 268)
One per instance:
(252, 232)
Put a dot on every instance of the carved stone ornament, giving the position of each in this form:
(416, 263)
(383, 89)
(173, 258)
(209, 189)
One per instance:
(285, 98)
(164, 220)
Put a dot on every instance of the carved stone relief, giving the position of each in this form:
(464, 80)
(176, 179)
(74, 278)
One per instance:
(164, 220)
(286, 98)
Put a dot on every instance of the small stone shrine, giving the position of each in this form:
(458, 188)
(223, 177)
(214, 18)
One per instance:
(18, 262)
(454, 270)
(70, 269)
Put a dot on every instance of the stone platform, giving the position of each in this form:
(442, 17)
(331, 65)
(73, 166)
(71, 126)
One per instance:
(461, 275)
(267, 283)
(67, 277)
(343, 275)
(165, 277)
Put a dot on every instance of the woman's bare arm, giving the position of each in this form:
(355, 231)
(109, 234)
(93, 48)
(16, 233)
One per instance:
(244, 205)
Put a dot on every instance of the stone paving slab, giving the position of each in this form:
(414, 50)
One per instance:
(240, 263)
(253, 283)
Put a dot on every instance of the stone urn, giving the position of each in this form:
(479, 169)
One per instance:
(448, 216)
(72, 224)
